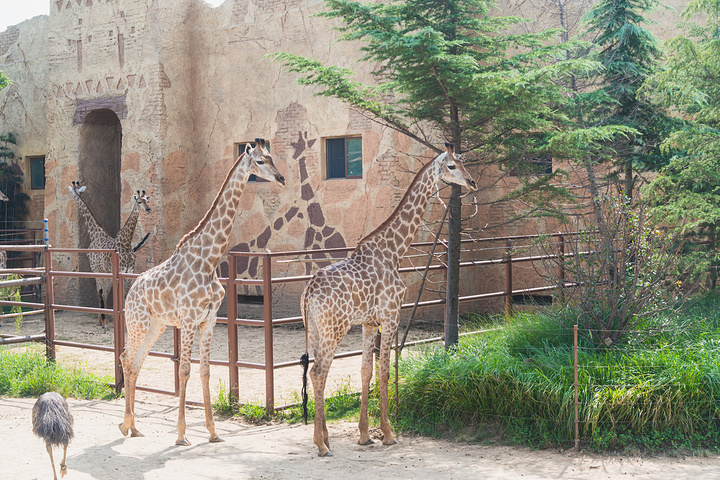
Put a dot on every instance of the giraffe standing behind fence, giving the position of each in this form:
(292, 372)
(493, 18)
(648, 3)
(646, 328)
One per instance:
(101, 262)
(184, 292)
(366, 289)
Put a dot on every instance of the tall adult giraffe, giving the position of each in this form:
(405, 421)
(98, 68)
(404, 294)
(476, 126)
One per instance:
(184, 291)
(101, 262)
(366, 289)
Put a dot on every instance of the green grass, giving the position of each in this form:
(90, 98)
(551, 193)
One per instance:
(27, 373)
(648, 394)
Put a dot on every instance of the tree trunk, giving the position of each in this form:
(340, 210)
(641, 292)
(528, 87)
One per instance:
(452, 290)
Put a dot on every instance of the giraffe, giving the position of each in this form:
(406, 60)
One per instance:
(366, 289)
(100, 239)
(3, 253)
(184, 291)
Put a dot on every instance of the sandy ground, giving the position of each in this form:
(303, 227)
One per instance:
(282, 452)
(270, 451)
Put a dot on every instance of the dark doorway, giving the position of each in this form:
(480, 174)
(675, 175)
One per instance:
(99, 170)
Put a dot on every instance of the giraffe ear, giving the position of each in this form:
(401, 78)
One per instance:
(70, 188)
(81, 189)
(248, 148)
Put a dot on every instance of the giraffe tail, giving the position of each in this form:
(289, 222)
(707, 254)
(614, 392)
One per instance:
(305, 362)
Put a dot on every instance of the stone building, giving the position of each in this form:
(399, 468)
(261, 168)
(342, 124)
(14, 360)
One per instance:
(161, 95)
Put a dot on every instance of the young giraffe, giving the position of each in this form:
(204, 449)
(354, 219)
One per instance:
(100, 239)
(366, 289)
(184, 291)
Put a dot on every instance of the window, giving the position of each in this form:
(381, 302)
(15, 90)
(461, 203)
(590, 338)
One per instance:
(240, 148)
(534, 165)
(344, 157)
(37, 173)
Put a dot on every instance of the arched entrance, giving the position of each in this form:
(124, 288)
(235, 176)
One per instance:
(99, 165)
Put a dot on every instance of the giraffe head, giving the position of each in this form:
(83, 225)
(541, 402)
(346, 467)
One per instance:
(3, 197)
(452, 169)
(76, 189)
(261, 163)
(142, 200)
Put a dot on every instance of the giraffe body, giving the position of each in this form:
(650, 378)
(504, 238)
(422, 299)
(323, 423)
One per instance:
(184, 292)
(101, 262)
(366, 289)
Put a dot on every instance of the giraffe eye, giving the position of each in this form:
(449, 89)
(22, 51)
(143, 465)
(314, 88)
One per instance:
(260, 161)
(451, 167)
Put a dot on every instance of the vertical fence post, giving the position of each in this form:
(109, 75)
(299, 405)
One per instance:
(269, 357)
(508, 280)
(234, 379)
(561, 266)
(49, 312)
(118, 324)
(577, 387)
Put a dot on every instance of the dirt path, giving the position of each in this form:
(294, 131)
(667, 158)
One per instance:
(283, 452)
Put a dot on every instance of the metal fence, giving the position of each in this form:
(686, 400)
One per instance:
(46, 275)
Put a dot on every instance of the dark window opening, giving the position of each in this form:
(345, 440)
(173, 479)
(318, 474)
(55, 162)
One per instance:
(534, 165)
(250, 299)
(344, 157)
(37, 173)
(523, 299)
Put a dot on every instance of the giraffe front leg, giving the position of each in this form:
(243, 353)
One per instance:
(206, 331)
(366, 372)
(187, 336)
(383, 376)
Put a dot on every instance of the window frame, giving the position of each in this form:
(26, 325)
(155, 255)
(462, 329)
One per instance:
(31, 161)
(326, 157)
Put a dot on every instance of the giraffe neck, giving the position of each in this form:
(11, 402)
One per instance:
(396, 233)
(209, 239)
(97, 233)
(126, 233)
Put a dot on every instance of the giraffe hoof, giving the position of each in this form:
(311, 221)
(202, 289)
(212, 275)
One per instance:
(123, 429)
(136, 434)
(326, 454)
(369, 441)
(183, 442)
(390, 442)
(216, 439)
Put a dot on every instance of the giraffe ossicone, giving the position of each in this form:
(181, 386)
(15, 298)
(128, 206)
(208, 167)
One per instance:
(184, 291)
(366, 289)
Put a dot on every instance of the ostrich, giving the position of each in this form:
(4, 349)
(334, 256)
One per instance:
(53, 422)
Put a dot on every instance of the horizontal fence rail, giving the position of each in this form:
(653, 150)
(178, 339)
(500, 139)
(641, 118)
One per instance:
(46, 275)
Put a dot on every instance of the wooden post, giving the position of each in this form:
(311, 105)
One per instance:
(118, 324)
(508, 281)
(561, 269)
(232, 330)
(269, 357)
(49, 312)
(577, 387)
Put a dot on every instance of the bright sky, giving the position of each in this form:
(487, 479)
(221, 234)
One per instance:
(13, 12)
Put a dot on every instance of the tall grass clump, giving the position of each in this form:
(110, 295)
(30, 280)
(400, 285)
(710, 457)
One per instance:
(27, 373)
(648, 393)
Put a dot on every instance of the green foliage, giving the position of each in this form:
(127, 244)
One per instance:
(11, 294)
(619, 277)
(27, 373)
(4, 81)
(658, 393)
(453, 68)
(687, 193)
(341, 403)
